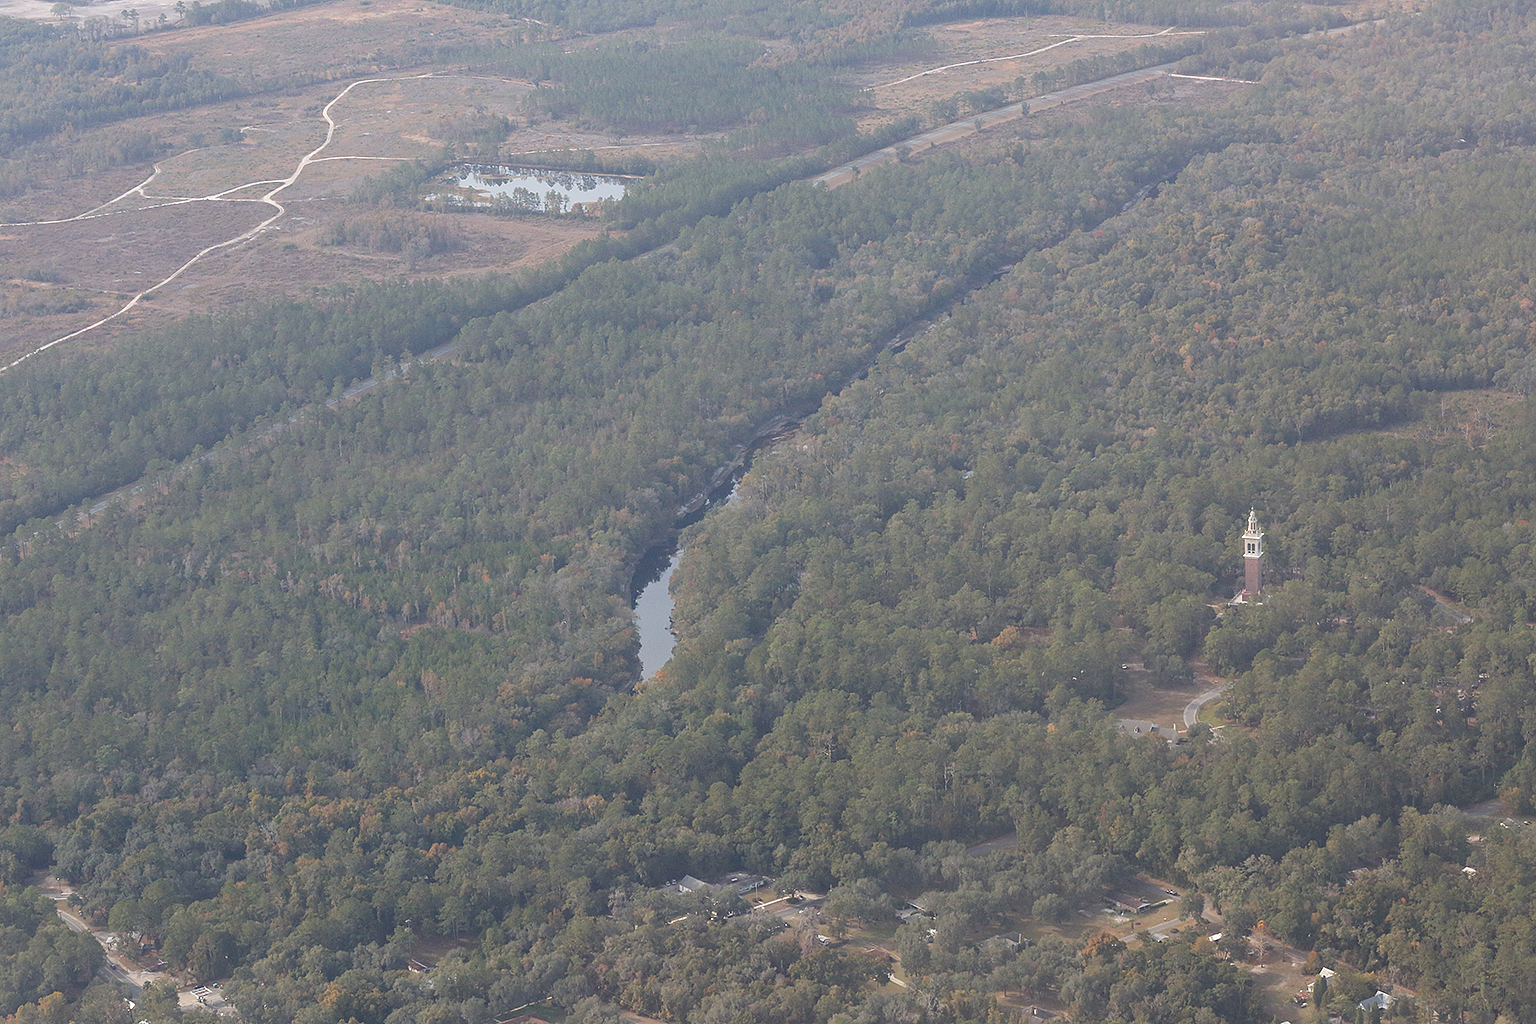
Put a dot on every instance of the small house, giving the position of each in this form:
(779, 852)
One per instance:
(1379, 1001)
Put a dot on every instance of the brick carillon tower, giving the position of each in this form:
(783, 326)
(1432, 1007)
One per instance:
(1253, 558)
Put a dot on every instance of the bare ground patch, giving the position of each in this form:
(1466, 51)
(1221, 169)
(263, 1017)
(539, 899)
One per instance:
(33, 314)
(126, 253)
(347, 38)
(407, 109)
(1146, 701)
(105, 261)
(70, 197)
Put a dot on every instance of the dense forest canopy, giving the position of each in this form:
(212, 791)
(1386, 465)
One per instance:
(368, 680)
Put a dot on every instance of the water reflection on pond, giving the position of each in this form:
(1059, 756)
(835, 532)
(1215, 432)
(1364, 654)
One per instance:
(493, 186)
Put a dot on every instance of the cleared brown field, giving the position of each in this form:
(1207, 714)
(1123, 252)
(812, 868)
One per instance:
(1162, 705)
(349, 38)
(388, 104)
(298, 264)
(99, 239)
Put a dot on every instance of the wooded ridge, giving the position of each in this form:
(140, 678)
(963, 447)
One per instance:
(369, 688)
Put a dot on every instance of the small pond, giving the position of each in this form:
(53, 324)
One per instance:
(534, 189)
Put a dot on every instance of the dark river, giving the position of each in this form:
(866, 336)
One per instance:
(649, 593)
(653, 612)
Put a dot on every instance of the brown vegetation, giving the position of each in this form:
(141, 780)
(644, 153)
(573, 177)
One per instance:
(403, 110)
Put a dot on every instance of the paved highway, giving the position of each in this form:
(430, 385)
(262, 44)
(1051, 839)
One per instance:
(116, 968)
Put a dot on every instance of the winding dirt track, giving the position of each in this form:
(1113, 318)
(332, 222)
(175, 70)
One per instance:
(1170, 31)
(967, 126)
(270, 199)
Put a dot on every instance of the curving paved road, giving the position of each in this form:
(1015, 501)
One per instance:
(1192, 709)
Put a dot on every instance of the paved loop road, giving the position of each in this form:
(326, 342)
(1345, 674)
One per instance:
(1192, 709)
